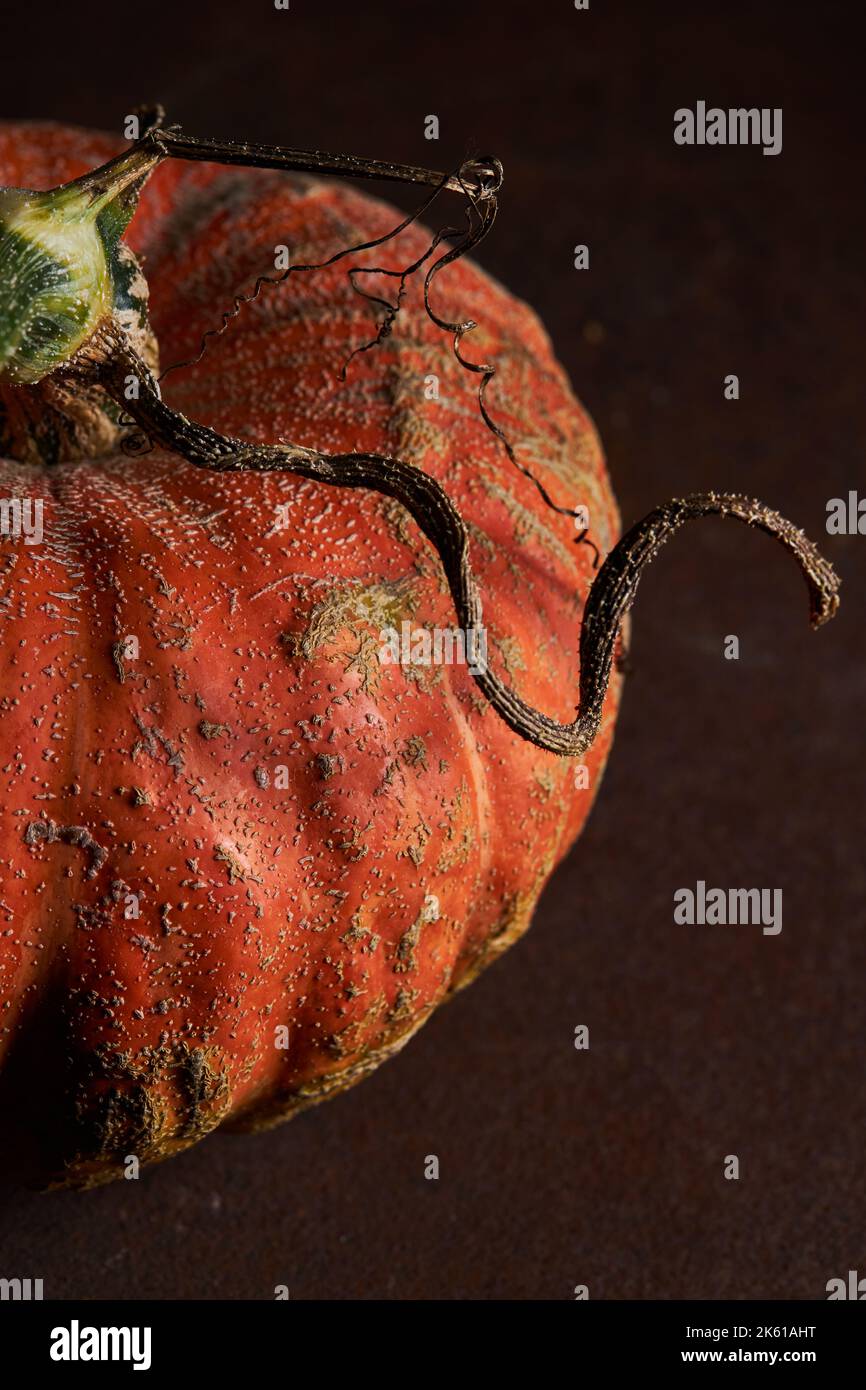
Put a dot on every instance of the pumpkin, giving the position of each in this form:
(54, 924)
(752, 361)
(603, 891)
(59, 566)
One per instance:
(245, 854)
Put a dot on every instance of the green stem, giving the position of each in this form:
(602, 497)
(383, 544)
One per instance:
(101, 186)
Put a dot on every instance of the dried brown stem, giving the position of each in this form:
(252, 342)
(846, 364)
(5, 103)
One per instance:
(481, 177)
(111, 360)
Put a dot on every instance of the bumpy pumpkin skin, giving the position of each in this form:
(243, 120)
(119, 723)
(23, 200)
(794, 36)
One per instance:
(415, 831)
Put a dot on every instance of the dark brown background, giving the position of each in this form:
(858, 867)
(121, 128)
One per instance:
(561, 1167)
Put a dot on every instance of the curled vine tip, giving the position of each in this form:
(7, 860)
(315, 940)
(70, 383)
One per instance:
(613, 592)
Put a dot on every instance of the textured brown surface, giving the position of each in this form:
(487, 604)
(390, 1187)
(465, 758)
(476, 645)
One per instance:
(559, 1167)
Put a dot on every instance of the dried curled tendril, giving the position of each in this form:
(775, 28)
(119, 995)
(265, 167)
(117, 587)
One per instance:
(109, 358)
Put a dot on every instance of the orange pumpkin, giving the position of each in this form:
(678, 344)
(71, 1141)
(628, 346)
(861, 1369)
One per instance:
(245, 855)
